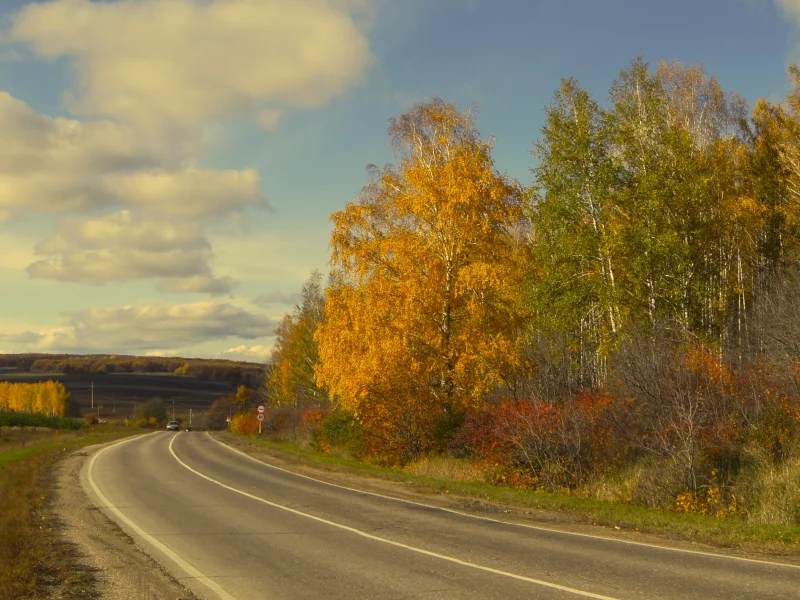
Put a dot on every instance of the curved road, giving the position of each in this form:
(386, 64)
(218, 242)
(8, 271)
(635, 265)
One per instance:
(233, 528)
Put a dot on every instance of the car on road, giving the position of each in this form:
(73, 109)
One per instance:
(173, 426)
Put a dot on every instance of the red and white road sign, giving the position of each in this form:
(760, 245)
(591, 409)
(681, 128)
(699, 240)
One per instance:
(260, 409)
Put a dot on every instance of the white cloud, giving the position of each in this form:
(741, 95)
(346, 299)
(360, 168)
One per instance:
(46, 339)
(123, 246)
(146, 327)
(198, 284)
(188, 192)
(155, 83)
(53, 164)
(185, 61)
(63, 165)
(257, 354)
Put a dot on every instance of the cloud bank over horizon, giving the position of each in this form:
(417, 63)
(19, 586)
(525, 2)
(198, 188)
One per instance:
(121, 181)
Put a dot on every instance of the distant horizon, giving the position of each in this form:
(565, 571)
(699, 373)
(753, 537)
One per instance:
(112, 356)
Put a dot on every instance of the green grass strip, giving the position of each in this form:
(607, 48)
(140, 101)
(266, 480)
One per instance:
(11, 456)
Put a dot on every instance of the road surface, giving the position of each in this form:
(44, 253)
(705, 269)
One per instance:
(233, 528)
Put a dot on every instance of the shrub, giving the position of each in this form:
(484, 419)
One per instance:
(219, 412)
(245, 424)
(22, 419)
(153, 412)
(340, 431)
(532, 444)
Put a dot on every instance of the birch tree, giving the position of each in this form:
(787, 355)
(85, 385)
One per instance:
(424, 310)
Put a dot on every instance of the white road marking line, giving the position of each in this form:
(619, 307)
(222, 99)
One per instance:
(392, 542)
(212, 585)
(490, 520)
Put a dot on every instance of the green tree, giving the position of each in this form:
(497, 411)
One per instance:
(295, 354)
(575, 282)
(152, 412)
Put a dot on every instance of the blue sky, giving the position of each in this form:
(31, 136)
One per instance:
(170, 165)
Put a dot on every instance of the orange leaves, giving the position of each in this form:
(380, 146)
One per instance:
(245, 423)
(707, 363)
(424, 307)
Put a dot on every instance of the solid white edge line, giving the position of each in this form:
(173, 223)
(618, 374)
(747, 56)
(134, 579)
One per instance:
(525, 525)
(189, 569)
(392, 542)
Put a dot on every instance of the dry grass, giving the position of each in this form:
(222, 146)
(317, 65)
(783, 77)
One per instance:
(31, 552)
(16, 442)
(775, 490)
(23, 492)
(442, 467)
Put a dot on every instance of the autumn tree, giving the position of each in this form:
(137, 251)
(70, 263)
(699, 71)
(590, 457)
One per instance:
(295, 354)
(775, 169)
(151, 413)
(220, 411)
(423, 312)
(47, 397)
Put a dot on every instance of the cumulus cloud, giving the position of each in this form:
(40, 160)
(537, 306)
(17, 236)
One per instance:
(151, 78)
(47, 339)
(53, 164)
(146, 327)
(185, 61)
(190, 192)
(63, 165)
(122, 246)
(258, 353)
(198, 284)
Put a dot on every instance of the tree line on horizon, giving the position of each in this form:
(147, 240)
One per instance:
(203, 369)
(631, 316)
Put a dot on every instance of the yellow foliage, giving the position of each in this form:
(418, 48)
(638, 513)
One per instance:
(424, 308)
(709, 502)
(48, 397)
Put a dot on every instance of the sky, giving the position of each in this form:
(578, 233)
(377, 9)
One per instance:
(168, 167)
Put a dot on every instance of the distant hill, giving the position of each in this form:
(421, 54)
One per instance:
(203, 369)
(119, 383)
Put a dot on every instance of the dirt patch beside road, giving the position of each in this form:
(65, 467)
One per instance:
(97, 560)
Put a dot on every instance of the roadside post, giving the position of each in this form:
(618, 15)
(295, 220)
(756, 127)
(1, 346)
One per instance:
(260, 418)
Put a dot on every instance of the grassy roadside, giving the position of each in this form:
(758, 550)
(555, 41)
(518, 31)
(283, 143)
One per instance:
(29, 552)
(728, 533)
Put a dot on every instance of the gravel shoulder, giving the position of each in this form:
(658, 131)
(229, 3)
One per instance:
(103, 563)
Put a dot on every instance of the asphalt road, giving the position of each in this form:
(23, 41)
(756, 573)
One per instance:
(231, 527)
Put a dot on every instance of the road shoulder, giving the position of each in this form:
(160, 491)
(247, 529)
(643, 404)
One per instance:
(121, 569)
